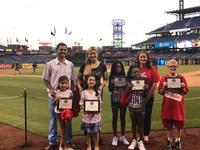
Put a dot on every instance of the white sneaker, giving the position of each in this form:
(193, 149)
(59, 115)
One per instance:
(133, 144)
(115, 141)
(124, 140)
(141, 145)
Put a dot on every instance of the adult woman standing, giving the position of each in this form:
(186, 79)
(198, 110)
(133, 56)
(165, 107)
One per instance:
(94, 66)
(150, 73)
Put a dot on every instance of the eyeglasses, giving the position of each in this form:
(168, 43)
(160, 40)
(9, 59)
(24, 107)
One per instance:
(173, 66)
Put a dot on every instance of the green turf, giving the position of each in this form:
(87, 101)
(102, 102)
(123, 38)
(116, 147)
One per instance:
(12, 104)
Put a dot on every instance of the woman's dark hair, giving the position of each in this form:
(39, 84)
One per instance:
(148, 64)
(95, 87)
(62, 78)
(130, 71)
(113, 73)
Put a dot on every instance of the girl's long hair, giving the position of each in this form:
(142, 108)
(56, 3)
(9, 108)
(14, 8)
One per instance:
(148, 64)
(113, 73)
(95, 87)
(62, 78)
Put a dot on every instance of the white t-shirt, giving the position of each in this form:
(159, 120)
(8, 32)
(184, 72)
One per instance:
(64, 94)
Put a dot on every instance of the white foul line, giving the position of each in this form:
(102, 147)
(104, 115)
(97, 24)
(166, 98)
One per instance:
(11, 97)
(185, 99)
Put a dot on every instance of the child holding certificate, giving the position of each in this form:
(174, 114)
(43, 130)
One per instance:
(173, 87)
(117, 84)
(91, 117)
(63, 101)
(136, 96)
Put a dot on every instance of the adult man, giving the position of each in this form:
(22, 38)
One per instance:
(54, 69)
(34, 66)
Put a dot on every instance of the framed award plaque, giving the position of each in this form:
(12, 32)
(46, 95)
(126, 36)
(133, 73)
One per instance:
(64, 103)
(119, 82)
(173, 83)
(92, 106)
(138, 85)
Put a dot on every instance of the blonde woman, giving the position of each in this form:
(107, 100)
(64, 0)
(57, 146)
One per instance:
(94, 66)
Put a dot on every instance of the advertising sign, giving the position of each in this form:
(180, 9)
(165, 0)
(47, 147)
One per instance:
(169, 44)
(184, 44)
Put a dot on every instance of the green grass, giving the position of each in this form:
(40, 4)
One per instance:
(12, 104)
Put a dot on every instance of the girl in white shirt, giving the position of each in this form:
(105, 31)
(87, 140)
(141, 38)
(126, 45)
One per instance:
(63, 92)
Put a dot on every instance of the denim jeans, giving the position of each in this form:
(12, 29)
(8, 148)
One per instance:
(52, 133)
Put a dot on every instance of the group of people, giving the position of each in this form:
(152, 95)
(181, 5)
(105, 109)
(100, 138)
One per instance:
(60, 81)
(18, 67)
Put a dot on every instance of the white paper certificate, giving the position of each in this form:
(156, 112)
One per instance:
(65, 103)
(138, 85)
(119, 82)
(173, 83)
(91, 106)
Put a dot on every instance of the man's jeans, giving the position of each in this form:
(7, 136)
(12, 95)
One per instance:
(52, 133)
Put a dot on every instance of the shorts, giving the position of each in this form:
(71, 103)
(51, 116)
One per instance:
(91, 127)
(170, 123)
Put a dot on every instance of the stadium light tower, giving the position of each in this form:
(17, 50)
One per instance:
(118, 32)
(181, 7)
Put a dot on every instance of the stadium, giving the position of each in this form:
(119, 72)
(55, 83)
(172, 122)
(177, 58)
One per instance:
(178, 40)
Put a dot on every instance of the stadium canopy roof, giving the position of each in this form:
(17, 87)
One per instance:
(181, 25)
(185, 11)
(177, 38)
(2, 47)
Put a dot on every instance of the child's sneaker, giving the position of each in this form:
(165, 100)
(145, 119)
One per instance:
(169, 145)
(141, 145)
(178, 145)
(114, 141)
(124, 140)
(133, 144)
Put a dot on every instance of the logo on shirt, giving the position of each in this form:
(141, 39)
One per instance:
(136, 102)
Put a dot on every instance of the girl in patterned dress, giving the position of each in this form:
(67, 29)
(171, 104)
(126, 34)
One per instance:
(91, 121)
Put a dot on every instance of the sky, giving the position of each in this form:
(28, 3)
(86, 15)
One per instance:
(89, 20)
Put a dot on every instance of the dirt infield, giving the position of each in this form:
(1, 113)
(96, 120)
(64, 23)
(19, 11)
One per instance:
(13, 139)
(193, 78)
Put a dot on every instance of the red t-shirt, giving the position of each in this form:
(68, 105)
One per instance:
(173, 105)
(151, 75)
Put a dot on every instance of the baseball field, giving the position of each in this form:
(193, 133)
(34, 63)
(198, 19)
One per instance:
(12, 86)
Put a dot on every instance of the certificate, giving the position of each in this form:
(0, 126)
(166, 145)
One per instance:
(138, 85)
(173, 83)
(64, 103)
(91, 106)
(119, 81)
